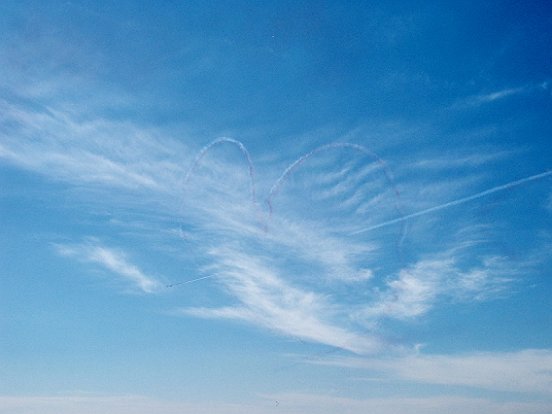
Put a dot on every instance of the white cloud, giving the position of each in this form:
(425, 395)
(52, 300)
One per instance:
(289, 403)
(267, 300)
(413, 292)
(525, 371)
(504, 93)
(113, 260)
(482, 157)
(312, 403)
(418, 288)
(490, 97)
(120, 404)
(69, 147)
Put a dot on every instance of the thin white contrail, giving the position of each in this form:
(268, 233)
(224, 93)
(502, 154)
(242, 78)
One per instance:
(190, 281)
(456, 202)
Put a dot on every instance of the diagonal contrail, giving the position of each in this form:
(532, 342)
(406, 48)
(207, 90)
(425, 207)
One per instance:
(189, 281)
(456, 202)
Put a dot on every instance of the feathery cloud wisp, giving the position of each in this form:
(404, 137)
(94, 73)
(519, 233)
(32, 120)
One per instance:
(528, 371)
(418, 288)
(113, 260)
(318, 255)
(268, 300)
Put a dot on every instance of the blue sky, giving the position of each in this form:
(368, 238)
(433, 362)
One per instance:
(228, 207)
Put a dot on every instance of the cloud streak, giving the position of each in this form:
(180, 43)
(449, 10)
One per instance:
(418, 288)
(112, 260)
(291, 402)
(486, 98)
(268, 301)
(525, 371)
(81, 150)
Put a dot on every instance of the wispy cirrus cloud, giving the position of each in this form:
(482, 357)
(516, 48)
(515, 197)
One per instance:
(489, 97)
(86, 149)
(268, 300)
(524, 371)
(418, 288)
(307, 266)
(482, 158)
(504, 93)
(113, 260)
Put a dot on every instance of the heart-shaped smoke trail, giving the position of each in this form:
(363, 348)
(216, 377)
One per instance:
(294, 166)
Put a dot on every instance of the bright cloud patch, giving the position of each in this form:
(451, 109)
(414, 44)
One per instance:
(112, 260)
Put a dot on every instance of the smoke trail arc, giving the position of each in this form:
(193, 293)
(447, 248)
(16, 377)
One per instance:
(243, 150)
(341, 145)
